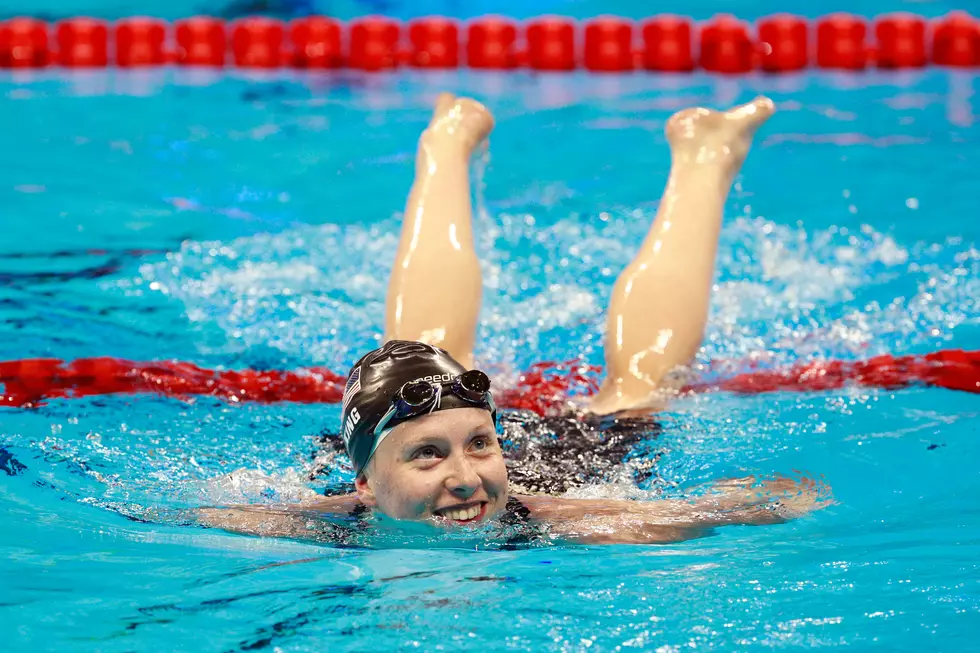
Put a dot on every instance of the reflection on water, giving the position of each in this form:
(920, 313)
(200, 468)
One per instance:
(536, 93)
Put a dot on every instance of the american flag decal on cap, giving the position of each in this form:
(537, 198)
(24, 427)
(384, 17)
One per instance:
(352, 388)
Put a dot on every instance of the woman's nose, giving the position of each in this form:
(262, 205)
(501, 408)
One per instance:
(463, 480)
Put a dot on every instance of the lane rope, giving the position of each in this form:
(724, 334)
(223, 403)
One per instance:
(542, 388)
(781, 43)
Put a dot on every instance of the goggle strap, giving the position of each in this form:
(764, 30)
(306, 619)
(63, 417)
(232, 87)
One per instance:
(377, 441)
(381, 424)
(437, 404)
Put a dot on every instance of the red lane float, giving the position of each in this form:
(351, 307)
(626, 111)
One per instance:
(726, 46)
(956, 41)
(841, 42)
(23, 43)
(551, 44)
(952, 369)
(374, 44)
(667, 44)
(139, 42)
(316, 42)
(434, 43)
(201, 41)
(783, 44)
(256, 42)
(82, 43)
(492, 43)
(901, 41)
(542, 388)
(608, 45)
(30, 381)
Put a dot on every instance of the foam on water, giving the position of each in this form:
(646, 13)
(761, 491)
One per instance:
(290, 291)
(783, 293)
(167, 453)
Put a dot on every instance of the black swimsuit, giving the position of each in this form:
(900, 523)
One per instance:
(516, 518)
(552, 455)
(525, 532)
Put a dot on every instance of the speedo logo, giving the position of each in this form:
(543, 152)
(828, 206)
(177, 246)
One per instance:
(440, 378)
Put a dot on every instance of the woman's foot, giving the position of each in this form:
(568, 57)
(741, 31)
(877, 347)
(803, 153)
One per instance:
(700, 135)
(458, 122)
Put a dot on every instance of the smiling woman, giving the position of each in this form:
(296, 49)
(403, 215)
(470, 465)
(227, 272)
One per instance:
(445, 468)
(403, 479)
(419, 425)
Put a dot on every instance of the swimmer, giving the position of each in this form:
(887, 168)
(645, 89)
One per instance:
(420, 424)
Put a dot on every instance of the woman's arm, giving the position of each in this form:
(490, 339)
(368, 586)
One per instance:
(731, 502)
(300, 520)
(739, 501)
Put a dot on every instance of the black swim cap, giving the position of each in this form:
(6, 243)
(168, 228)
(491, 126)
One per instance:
(373, 382)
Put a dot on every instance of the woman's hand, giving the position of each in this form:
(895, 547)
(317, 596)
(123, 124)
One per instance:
(770, 501)
(737, 501)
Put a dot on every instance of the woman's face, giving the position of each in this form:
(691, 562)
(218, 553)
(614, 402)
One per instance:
(446, 466)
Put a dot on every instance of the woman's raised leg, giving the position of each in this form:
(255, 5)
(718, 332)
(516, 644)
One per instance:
(659, 304)
(435, 289)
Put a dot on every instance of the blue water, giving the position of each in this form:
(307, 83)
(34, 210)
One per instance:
(251, 221)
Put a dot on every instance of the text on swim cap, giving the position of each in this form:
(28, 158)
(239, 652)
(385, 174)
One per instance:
(352, 421)
(441, 378)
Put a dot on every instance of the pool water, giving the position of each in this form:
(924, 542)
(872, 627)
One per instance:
(250, 221)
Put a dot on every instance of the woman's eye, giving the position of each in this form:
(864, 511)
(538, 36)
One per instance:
(481, 443)
(427, 452)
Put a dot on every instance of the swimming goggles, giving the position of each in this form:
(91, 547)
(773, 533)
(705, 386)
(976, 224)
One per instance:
(425, 396)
